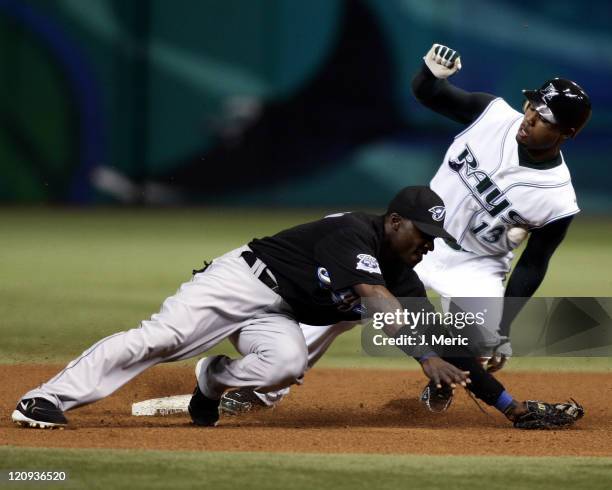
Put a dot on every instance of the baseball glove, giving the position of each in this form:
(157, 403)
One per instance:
(437, 399)
(542, 415)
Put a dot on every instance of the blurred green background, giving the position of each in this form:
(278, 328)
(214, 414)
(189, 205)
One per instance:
(271, 102)
(72, 276)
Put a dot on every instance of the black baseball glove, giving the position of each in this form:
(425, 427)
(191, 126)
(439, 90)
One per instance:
(542, 415)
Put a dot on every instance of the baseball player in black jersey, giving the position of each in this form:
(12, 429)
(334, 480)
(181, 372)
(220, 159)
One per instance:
(258, 294)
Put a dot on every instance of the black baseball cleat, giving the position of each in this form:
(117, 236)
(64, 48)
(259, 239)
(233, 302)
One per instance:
(204, 411)
(241, 401)
(437, 399)
(38, 413)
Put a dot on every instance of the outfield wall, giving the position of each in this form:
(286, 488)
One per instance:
(151, 87)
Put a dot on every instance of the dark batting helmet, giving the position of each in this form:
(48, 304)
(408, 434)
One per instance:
(561, 102)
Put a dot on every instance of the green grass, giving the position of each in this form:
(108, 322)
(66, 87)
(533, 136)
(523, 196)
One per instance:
(73, 276)
(70, 277)
(95, 469)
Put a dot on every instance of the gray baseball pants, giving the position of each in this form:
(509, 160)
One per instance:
(227, 299)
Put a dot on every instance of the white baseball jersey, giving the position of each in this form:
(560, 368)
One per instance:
(486, 191)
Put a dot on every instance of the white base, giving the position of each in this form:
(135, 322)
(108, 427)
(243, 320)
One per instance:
(160, 407)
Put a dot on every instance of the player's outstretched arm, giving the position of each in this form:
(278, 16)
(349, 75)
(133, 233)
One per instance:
(380, 299)
(431, 87)
(531, 268)
(526, 278)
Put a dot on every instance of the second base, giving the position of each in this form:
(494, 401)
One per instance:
(161, 407)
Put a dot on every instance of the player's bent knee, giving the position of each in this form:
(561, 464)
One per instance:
(287, 366)
(283, 375)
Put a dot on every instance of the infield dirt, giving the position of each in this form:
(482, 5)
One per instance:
(335, 411)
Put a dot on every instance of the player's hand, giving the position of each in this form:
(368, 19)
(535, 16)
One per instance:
(440, 371)
(442, 61)
(500, 357)
(496, 363)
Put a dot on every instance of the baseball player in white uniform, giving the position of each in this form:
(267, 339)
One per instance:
(502, 179)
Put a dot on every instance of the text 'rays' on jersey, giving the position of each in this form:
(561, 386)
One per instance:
(487, 189)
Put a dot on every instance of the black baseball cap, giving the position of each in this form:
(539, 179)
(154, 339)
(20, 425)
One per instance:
(561, 102)
(423, 207)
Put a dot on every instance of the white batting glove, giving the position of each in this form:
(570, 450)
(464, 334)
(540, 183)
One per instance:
(442, 61)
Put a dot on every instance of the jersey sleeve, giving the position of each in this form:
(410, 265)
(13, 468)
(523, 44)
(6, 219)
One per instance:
(563, 204)
(410, 292)
(547, 200)
(350, 258)
(408, 285)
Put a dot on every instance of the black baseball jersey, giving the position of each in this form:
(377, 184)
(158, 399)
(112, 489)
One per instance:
(316, 264)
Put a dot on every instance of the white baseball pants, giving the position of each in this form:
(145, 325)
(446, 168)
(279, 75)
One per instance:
(459, 275)
(318, 339)
(225, 300)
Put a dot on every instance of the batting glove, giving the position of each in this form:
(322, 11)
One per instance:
(442, 61)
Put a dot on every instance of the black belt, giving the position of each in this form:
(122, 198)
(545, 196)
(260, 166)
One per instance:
(260, 270)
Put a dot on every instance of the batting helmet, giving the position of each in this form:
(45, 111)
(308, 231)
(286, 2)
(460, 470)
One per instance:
(561, 102)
